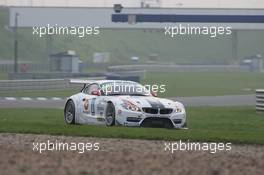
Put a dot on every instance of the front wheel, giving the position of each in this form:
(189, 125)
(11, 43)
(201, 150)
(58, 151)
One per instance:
(110, 115)
(69, 112)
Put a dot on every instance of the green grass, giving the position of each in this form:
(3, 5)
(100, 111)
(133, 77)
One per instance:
(205, 83)
(240, 125)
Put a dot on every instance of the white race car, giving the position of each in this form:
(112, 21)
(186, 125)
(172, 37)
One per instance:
(110, 102)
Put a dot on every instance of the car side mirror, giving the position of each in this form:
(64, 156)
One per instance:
(96, 92)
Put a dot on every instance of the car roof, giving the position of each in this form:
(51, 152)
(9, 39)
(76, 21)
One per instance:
(86, 81)
(112, 81)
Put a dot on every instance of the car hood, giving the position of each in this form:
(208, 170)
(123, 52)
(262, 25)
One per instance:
(149, 101)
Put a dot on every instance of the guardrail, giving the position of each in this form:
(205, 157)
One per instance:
(260, 100)
(38, 84)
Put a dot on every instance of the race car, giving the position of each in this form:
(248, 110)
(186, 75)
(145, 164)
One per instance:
(126, 103)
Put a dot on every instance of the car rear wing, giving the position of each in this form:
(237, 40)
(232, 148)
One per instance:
(86, 81)
(80, 81)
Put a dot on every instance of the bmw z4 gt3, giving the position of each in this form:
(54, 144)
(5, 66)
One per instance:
(110, 102)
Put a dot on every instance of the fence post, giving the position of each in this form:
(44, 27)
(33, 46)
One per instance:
(260, 100)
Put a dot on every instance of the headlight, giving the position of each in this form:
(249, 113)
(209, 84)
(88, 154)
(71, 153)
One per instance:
(178, 109)
(130, 106)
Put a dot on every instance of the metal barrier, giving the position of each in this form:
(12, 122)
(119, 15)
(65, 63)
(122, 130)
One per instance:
(7, 85)
(260, 100)
(39, 84)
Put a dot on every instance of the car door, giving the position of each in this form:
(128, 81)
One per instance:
(89, 103)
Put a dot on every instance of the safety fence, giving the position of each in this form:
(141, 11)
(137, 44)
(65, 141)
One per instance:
(178, 68)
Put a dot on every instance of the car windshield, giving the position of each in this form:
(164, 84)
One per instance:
(124, 88)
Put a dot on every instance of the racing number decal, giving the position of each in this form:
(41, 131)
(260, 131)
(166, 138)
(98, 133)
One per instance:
(93, 106)
(85, 103)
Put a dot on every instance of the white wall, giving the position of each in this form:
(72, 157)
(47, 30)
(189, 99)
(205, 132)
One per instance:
(214, 3)
(136, 3)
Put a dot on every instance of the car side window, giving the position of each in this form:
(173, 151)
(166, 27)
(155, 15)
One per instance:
(90, 88)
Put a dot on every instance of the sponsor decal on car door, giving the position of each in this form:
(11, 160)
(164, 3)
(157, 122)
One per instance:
(88, 109)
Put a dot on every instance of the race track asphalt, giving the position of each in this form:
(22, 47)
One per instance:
(41, 102)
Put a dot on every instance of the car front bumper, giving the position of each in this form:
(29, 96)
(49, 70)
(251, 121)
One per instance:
(131, 118)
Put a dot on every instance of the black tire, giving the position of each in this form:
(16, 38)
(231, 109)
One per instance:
(69, 112)
(110, 115)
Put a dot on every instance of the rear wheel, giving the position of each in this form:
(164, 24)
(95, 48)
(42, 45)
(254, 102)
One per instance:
(110, 115)
(69, 112)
